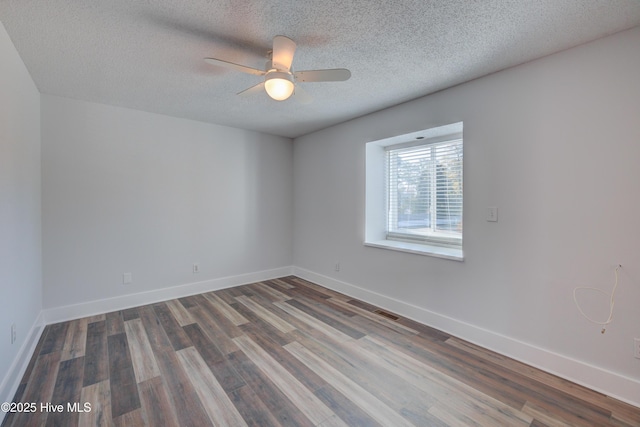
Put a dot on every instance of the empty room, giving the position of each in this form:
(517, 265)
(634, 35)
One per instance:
(338, 213)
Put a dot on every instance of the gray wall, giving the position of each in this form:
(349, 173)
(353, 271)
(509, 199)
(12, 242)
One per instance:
(129, 191)
(20, 229)
(555, 145)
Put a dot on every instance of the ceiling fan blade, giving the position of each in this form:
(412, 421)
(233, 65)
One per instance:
(252, 90)
(283, 50)
(234, 66)
(334, 75)
(302, 96)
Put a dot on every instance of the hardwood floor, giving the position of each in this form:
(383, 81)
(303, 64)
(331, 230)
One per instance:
(287, 352)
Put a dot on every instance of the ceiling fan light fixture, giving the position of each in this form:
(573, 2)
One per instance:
(279, 81)
(279, 85)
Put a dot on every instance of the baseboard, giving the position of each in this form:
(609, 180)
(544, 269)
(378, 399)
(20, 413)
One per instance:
(593, 377)
(91, 308)
(11, 381)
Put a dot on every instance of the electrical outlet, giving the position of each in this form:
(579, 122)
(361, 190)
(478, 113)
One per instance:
(196, 268)
(636, 348)
(14, 335)
(337, 268)
(127, 278)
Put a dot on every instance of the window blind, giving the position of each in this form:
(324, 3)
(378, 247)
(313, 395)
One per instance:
(424, 192)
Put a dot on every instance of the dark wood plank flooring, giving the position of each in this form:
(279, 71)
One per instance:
(287, 352)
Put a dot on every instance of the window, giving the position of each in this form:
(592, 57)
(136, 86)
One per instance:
(414, 192)
(424, 192)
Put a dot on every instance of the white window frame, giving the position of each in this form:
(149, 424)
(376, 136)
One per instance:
(377, 203)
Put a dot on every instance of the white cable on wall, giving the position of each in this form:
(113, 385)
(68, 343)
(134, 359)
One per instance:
(611, 301)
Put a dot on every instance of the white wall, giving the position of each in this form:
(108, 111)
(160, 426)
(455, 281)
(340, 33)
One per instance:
(129, 191)
(555, 144)
(20, 232)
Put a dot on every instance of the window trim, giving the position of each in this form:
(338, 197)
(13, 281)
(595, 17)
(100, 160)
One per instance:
(376, 201)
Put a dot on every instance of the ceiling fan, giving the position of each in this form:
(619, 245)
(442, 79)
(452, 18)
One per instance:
(279, 78)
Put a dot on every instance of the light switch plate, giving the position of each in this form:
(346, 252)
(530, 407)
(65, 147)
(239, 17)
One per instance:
(492, 214)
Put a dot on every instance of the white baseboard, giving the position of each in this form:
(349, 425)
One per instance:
(11, 381)
(593, 377)
(91, 308)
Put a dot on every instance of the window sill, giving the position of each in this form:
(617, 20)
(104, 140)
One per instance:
(418, 249)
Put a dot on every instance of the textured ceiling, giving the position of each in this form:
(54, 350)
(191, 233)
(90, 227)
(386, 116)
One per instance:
(148, 55)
